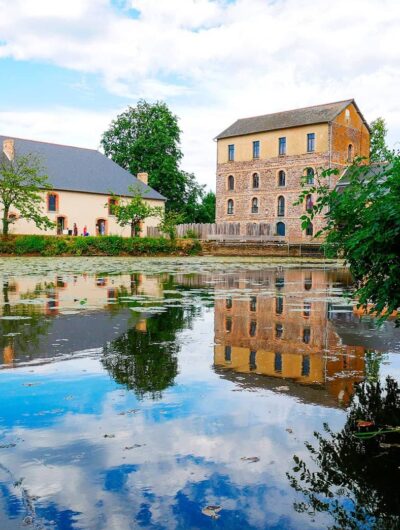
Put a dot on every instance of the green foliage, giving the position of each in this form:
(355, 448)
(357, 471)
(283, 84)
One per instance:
(379, 151)
(146, 138)
(191, 234)
(133, 211)
(21, 183)
(206, 209)
(362, 225)
(352, 478)
(168, 223)
(94, 246)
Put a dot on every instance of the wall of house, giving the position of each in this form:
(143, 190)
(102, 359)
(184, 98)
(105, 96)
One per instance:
(331, 148)
(84, 209)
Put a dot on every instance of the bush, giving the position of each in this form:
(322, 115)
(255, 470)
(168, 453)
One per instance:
(191, 234)
(95, 246)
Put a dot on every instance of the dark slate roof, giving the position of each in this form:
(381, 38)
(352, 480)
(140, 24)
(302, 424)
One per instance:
(289, 118)
(79, 169)
(371, 171)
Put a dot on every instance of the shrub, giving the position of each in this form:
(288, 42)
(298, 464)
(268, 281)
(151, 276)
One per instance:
(94, 246)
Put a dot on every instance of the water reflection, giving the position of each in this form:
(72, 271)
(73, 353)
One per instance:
(357, 475)
(137, 400)
(287, 331)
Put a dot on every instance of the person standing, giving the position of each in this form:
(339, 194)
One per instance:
(75, 229)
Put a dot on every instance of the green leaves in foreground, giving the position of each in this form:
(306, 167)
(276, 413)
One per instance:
(362, 225)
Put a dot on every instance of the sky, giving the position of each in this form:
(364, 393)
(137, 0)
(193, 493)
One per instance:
(68, 67)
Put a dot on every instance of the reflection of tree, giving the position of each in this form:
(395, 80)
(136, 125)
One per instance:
(20, 336)
(357, 479)
(146, 361)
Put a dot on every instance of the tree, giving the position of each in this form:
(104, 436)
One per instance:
(168, 223)
(21, 185)
(379, 151)
(355, 475)
(362, 225)
(206, 209)
(132, 211)
(146, 138)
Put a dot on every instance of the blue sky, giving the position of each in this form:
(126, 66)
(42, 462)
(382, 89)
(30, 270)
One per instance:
(68, 68)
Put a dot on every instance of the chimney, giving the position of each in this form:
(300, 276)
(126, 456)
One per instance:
(143, 177)
(8, 148)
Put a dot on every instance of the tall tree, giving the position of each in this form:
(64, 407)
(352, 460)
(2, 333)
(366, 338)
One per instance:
(363, 226)
(206, 209)
(146, 138)
(379, 152)
(21, 185)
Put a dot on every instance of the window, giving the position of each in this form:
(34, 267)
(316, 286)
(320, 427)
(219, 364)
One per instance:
(253, 303)
(52, 202)
(282, 146)
(309, 175)
(228, 354)
(280, 229)
(228, 325)
(231, 152)
(281, 206)
(350, 153)
(278, 362)
(231, 183)
(228, 303)
(256, 149)
(309, 229)
(256, 181)
(230, 207)
(308, 282)
(309, 202)
(305, 366)
(279, 282)
(253, 328)
(279, 305)
(278, 331)
(111, 204)
(306, 335)
(306, 309)
(310, 142)
(281, 178)
(347, 115)
(254, 205)
(252, 360)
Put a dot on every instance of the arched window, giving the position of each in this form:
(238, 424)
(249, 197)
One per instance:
(350, 153)
(278, 331)
(256, 180)
(280, 229)
(52, 202)
(309, 175)
(306, 335)
(228, 303)
(254, 205)
(228, 324)
(230, 206)
(231, 183)
(253, 328)
(281, 206)
(309, 229)
(309, 202)
(308, 282)
(281, 178)
(253, 303)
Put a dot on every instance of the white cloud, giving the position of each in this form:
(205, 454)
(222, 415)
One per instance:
(214, 61)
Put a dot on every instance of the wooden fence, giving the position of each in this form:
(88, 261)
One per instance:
(201, 230)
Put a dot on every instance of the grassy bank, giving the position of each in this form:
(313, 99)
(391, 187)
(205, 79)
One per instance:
(95, 246)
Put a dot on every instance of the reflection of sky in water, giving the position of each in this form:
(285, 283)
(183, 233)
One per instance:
(90, 454)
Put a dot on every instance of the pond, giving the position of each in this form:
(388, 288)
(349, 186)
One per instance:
(180, 393)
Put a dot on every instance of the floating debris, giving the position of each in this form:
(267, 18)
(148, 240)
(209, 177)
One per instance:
(109, 436)
(134, 446)
(282, 388)
(212, 511)
(250, 459)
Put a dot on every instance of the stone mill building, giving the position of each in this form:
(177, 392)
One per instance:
(262, 160)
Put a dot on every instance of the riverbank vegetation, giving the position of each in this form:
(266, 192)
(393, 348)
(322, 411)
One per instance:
(38, 245)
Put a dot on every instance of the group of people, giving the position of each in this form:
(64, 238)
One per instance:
(75, 230)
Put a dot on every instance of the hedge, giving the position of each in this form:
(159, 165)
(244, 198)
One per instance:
(95, 246)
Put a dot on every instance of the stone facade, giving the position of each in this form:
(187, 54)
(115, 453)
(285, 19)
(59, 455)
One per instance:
(332, 141)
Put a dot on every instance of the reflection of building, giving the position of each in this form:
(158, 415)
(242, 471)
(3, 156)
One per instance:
(282, 330)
